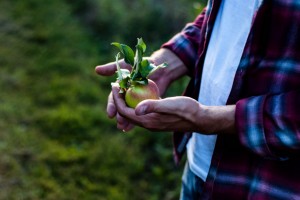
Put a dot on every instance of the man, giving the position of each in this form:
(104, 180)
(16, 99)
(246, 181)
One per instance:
(242, 135)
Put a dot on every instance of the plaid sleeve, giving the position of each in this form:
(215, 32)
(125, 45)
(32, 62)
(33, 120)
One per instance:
(186, 44)
(270, 124)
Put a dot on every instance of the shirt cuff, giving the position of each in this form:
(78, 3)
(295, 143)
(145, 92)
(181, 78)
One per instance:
(249, 119)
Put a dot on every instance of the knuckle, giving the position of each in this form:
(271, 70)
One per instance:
(148, 125)
(145, 124)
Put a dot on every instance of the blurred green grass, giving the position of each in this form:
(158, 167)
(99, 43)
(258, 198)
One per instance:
(56, 141)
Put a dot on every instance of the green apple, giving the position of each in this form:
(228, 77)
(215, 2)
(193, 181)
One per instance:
(139, 92)
(135, 83)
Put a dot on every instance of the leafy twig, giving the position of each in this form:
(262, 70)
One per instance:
(141, 68)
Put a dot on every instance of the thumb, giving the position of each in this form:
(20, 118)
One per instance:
(172, 105)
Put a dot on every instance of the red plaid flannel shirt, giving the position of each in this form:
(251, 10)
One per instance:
(262, 160)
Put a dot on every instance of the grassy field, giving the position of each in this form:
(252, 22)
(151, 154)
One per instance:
(56, 141)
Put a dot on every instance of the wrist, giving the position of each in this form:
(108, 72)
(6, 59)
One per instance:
(175, 68)
(218, 119)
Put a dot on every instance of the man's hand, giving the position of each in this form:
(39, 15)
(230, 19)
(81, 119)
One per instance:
(162, 77)
(177, 114)
(110, 69)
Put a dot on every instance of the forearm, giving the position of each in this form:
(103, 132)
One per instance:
(218, 119)
(175, 68)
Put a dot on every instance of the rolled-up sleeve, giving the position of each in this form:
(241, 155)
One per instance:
(269, 125)
(186, 44)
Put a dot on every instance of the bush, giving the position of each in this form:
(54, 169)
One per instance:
(56, 141)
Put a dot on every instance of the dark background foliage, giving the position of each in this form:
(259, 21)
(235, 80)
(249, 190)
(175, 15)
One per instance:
(56, 141)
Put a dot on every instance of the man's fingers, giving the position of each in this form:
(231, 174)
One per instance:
(117, 97)
(122, 120)
(122, 108)
(129, 127)
(124, 124)
(109, 69)
(106, 70)
(111, 109)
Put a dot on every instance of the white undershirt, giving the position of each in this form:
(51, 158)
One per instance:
(228, 39)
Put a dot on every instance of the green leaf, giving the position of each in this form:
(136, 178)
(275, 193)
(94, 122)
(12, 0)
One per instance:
(124, 84)
(141, 68)
(125, 73)
(126, 51)
(136, 76)
(163, 65)
(140, 50)
(145, 68)
(139, 54)
(137, 59)
(119, 72)
(142, 44)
